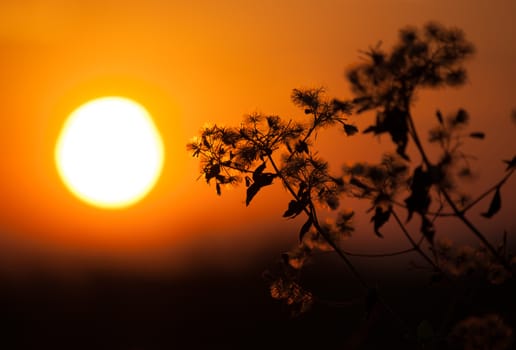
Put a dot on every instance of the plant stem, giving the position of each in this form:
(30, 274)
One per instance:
(488, 191)
(450, 202)
(411, 240)
(311, 213)
(380, 255)
(472, 203)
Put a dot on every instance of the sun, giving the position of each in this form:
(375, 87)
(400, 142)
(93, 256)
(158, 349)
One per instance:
(109, 152)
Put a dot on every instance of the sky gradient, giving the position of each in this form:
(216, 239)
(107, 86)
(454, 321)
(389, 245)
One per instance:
(204, 61)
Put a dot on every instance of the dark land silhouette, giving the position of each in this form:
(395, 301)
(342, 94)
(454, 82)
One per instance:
(113, 310)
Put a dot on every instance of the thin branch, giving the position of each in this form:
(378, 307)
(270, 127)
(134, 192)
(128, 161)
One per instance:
(477, 233)
(307, 136)
(451, 203)
(381, 255)
(437, 213)
(242, 170)
(411, 240)
(488, 191)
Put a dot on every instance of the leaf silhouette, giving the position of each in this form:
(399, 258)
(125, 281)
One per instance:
(369, 129)
(356, 182)
(218, 189)
(341, 106)
(260, 180)
(212, 172)
(251, 192)
(304, 229)
(301, 192)
(427, 229)
(364, 102)
(510, 163)
(301, 147)
(294, 209)
(461, 118)
(419, 199)
(350, 130)
(439, 117)
(379, 218)
(477, 135)
(496, 204)
(258, 171)
(394, 122)
(205, 142)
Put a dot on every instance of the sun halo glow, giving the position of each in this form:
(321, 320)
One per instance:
(109, 152)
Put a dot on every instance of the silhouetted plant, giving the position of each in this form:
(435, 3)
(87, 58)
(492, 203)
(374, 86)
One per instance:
(266, 149)
(488, 332)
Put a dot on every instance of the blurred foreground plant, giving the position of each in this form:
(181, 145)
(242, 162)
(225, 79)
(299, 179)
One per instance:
(266, 149)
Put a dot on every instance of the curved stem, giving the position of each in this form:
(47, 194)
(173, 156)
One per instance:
(411, 240)
(311, 213)
(337, 249)
(380, 255)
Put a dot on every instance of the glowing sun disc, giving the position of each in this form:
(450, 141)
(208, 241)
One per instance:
(109, 152)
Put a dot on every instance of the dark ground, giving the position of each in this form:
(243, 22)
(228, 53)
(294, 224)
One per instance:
(103, 309)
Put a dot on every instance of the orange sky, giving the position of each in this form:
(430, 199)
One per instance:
(206, 61)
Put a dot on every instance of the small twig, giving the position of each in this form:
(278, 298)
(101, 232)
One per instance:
(380, 255)
(306, 137)
(488, 191)
(411, 240)
(437, 213)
